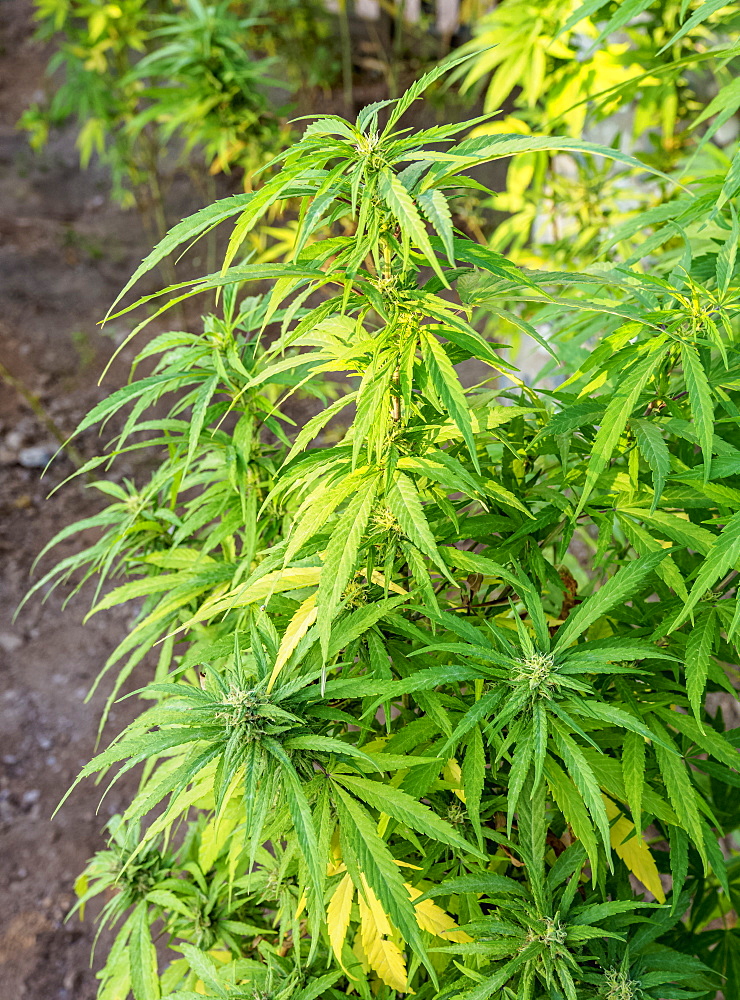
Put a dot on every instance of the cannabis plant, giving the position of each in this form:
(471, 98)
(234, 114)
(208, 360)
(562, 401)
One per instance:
(430, 709)
(647, 72)
(148, 82)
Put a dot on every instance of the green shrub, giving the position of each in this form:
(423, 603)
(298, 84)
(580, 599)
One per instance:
(429, 712)
(642, 72)
(150, 82)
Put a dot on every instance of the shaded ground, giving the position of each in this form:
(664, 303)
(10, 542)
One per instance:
(64, 253)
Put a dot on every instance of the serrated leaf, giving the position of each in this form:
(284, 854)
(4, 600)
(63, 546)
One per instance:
(184, 232)
(680, 791)
(434, 919)
(338, 914)
(359, 836)
(655, 452)
(197, 418)
(633, 771)
(700, 398)
(340, 558)
(570, 803)
(204, 967)
(532, 833)
(434, 205)
(447, 385)
(403, 208)
(383, 955)
(405, 503)
(679, 863)
(143, 957)
(296, 628)
(724, 555)
(473, 777)
(402, 807)
(583, 777)
(318, 987)
(624, 584)
(301, 815)
(487, 882)
(699, 657)
(272, 583)
(616, 415)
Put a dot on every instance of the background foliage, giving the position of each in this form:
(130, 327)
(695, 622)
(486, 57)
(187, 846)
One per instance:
(437, 700)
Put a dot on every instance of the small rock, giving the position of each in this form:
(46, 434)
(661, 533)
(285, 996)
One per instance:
(31, 796)
(37, 456)
(9, 642)
(14, 440)
(44, 742)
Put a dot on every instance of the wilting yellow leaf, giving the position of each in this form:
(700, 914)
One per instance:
(379, 579)
(279, 582)
(379, 916)
(215, 834)
(383, 955)
(298, 625)
(453, 774)
(338, 914)
(434, 919)
(634, 852)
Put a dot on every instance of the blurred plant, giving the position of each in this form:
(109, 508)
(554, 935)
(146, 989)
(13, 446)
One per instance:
(145, 80)
(641, 75)
(303, 36)
(200, 82)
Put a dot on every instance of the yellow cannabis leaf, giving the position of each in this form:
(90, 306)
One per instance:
(453, 774)
(379, 579)
(383, 955)
(377, 943)
(277, 582)
(298, 625)
(338, 914)
(215, 834)
(634, 852)
(434, 919)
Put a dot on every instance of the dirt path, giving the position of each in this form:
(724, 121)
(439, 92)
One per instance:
(64, 253)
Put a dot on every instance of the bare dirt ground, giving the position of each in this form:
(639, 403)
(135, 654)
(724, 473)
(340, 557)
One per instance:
(65, 251)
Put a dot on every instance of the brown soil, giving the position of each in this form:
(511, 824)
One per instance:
(65, 251)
